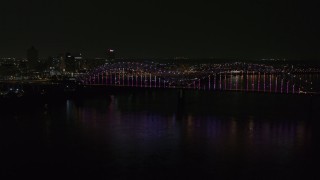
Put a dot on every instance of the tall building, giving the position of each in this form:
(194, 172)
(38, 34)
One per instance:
(57, 63)
(32, 56)
(110, 55)
(62, 64)
(69, 62)
(78, 61)
(73, 62)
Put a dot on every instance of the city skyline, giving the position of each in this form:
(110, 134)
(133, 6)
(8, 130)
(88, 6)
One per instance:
(154, 29)
(104, 55)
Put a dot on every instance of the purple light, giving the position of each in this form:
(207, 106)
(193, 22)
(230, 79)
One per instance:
(225, 80)
(270, 83)
(259, 82)
(214, 83)
(141, 79)
(236, 82)
(106, 77)
(276, 84)
(209, 83)
(252, 81)
(264, 82)
(247, 81)
(292, 89)
(230, 80)
(220, 85)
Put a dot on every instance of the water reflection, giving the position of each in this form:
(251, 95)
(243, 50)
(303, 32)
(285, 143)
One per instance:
(193, 134)
(144, 128)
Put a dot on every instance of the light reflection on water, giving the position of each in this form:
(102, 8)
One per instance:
(143, 134)
(252, 134)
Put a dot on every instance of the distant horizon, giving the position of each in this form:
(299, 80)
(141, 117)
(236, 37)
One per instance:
(120, 56)
(181, 58)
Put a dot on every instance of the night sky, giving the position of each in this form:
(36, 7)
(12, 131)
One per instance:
(150, 28)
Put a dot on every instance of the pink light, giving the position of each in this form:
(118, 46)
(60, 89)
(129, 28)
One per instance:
(252, 80)
(136, 80)
(145, 78)
(102, 78)
(220, 82)
(231, 80)
(247, 82)
(110, 78)
(236, 82)
(259, 82)
(270, 83)
(128, 79)
(132, 80)
(292, 89)
(225, 80)
(141, 80)
(209, 83)
(123, 76)
(106, 78)
(150, 81)
(264, 82)
(276, 84)
(119, 78)
(242, 81)
(214, 83)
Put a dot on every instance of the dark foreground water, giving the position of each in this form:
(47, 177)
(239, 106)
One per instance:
(158, 135)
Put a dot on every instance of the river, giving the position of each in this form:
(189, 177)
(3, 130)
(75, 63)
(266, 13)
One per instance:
(162, 134)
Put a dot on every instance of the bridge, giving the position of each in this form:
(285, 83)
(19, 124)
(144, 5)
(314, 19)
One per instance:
(231, 77)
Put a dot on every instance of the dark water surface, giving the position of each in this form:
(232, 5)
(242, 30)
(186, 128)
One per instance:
(162, 135)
